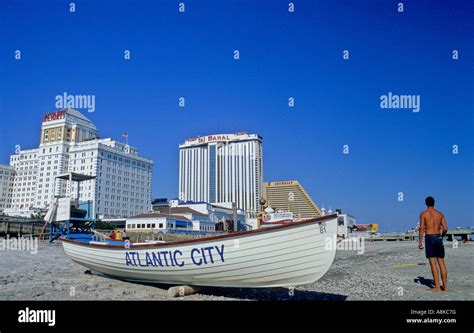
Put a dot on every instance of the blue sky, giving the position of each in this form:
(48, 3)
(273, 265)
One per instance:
(282, 54)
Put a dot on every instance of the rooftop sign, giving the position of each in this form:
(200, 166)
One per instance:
(288, 182)
(54, 115)
(220, 137)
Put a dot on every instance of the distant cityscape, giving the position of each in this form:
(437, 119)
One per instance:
(217, 175)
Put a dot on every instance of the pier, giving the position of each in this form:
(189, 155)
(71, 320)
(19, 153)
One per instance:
(21, 228)
(463, 234)
(392, 237)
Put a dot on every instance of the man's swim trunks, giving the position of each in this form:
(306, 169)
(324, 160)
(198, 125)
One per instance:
(434, 246)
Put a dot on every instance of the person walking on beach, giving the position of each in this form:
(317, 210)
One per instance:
(431, 223)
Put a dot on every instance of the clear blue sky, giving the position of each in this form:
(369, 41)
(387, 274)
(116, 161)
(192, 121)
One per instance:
(282, 55)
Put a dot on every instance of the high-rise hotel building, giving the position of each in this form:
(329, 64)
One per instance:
(7, 177)
(70, 143)
(222, 168)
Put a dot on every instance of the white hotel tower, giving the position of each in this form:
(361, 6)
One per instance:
(222, 168)
(70, 143)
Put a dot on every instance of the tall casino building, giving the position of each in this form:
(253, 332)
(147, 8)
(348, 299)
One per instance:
(223, 168)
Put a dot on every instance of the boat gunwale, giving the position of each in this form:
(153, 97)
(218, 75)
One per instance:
(205, 239)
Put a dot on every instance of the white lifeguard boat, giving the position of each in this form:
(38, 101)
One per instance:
(287, 254)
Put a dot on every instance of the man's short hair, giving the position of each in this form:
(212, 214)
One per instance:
(430, 201)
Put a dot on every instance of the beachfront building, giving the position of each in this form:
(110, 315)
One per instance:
(221, 215)
(25, 163)
(70, 143)
(222, 168)
(153, 221)
(169, 223)
(345, 224)
(7, 177)
(290, 196)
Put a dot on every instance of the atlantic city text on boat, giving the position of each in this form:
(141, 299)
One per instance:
(198, 257)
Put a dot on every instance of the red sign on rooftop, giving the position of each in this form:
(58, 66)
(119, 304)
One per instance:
(54, 116)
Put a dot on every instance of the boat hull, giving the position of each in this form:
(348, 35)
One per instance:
(289, 255)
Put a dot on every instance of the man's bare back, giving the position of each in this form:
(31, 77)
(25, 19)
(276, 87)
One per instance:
(432, 221)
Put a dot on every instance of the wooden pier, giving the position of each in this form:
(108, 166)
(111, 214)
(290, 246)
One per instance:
(463, 235)
(26, 228)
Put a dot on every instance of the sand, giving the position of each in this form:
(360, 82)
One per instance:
(385, 271)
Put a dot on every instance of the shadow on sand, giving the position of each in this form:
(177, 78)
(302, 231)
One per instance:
(271, 294)
(258, 294)
(426, 282)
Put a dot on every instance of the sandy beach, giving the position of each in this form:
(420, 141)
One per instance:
(385, 271)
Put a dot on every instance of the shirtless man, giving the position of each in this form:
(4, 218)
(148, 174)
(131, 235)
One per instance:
(431, 221)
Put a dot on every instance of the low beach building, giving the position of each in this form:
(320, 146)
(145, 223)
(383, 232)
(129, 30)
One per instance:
(157, 222)
(345, 224)
(219, 214)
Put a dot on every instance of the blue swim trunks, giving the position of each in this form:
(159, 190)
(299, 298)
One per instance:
(434, 246)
